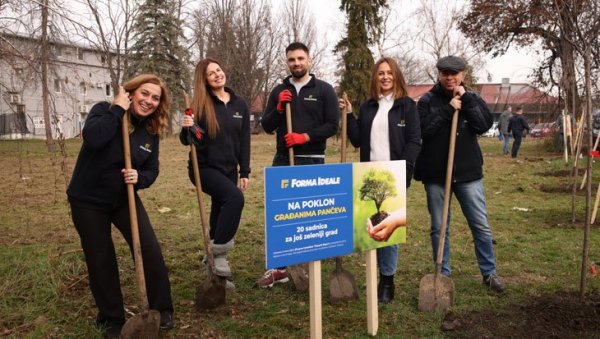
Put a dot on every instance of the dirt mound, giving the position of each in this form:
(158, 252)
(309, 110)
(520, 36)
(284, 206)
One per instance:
(560, 315)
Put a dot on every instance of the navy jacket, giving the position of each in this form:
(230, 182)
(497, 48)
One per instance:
(315, 111)
(229, 152)
(404, 131)
(435, 113)
(97, 179)
(517, 124)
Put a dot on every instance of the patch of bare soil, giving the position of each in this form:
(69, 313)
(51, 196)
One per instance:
(560, 315)
(557, 188)
(557, 173)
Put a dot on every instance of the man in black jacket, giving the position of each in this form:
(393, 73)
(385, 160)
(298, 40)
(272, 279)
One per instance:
(517, 125)
(315, 117)
(435, 110)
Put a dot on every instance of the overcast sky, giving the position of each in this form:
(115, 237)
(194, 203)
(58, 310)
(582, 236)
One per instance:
(515, 65)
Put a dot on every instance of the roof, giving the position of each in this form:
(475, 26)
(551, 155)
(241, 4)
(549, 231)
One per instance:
(499, 95)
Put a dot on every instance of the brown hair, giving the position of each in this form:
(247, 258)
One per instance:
(400, 87)
(202, 102)
(159, 120)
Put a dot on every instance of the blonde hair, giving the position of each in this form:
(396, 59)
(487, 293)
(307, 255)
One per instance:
(202, 103)
(159, 120)
(400, 87)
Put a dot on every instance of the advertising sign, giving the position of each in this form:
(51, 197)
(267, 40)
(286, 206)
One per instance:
(316, 212)
(308, 213)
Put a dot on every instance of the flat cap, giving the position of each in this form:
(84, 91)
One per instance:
(451, 63)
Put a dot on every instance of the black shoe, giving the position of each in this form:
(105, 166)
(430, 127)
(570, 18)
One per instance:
(494, 283)
(166, 320)
(385, 292)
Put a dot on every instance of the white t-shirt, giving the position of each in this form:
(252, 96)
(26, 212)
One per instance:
(380, 133)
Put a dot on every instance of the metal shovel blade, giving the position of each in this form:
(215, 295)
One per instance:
(342, 285)
(436, 293)
(211, 294)
(299, 276)
(143, 325)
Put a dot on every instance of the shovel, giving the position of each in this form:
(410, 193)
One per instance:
(147, 323)
(436, 291)
(297, 272)
(342, 285)
(211, 293)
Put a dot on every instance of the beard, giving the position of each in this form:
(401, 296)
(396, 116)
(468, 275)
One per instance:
(299, 73)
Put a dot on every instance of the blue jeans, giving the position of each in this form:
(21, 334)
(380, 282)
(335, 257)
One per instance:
(387, 259)
(506, 137)
(471, 197)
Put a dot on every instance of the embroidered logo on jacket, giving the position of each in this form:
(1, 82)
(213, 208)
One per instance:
(237, 115)
(310, 98)
(146, 147)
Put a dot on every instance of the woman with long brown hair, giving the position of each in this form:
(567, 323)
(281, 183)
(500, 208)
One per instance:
(387, 128)
(223, 153)
(98, 196)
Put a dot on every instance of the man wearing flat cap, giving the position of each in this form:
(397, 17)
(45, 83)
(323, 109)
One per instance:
(436, 109)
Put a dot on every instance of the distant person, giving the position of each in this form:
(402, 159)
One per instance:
(503, 127)
(517, 125)
(98, 196)
(315, 117)
(436, 109)
(387, 128)
(222, 135)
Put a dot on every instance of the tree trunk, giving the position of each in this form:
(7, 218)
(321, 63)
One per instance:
(44, 64)
(588, 192)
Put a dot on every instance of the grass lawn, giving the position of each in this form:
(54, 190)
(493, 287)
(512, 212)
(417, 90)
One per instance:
(44, 289)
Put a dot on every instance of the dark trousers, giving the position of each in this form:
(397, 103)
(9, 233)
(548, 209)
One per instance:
(94, 228)
(516, 144)
(227, 202)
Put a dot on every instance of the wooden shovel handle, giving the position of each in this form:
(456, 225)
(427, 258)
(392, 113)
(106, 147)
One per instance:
(447, 190)
(288, 120)
(344, 129)
(135, 233)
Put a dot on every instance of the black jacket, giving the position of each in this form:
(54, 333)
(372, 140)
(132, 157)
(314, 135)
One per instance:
(315, 111)
(436, 113)
(229, 152)
(404, 131)
(97, 178)
(517, 124)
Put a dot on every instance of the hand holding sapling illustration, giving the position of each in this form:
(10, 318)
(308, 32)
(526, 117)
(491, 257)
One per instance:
(378, 185)
(384, 230)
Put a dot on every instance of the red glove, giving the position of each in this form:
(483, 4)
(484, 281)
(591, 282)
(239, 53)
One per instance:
(194, 131)
(284, 96)
(292, 139)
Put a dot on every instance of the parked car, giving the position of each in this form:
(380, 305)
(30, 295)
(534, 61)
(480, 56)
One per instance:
(492, 132)
(543, 129)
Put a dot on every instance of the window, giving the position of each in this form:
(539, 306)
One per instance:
(108, 90)
(57, 85)
(79, 53)
(103, 59)
(82, 88)
(38, 122)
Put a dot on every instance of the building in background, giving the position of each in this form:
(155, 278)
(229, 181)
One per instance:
(537, 105)
(77, 78)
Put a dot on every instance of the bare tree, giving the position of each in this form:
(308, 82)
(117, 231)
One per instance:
(397, 39)
(439, 36)
(583, 21)
(110, 32)
(241, 35)
(299, 25)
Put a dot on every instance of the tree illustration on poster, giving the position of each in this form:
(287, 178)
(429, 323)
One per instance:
(378, 185)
